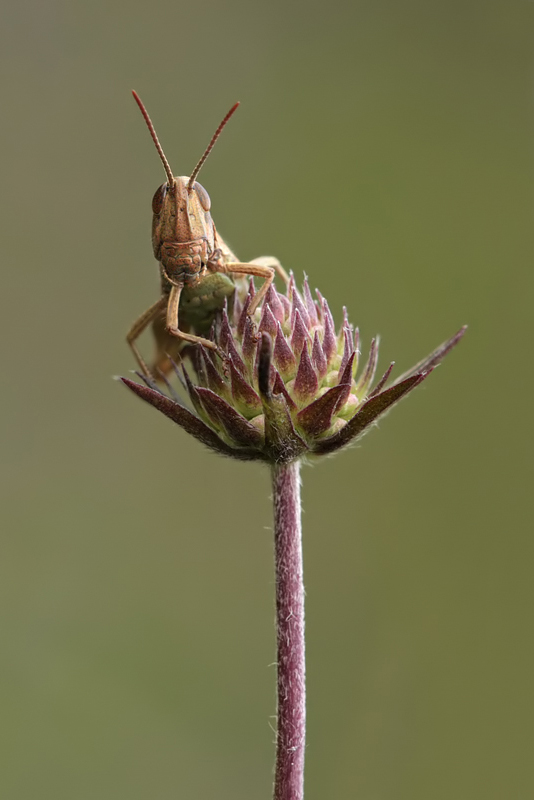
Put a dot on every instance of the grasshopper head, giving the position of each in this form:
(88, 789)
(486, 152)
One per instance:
(183, 235)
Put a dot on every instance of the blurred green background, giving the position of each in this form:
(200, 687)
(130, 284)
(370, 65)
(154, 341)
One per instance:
(385, 148)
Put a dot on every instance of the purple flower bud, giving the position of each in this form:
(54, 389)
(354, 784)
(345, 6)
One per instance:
(311, 308)
(318, 357)
(306, 383)
(299, 336)
(281, 385)
(284, 357)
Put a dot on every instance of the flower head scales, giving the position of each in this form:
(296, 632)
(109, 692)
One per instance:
(287, 385)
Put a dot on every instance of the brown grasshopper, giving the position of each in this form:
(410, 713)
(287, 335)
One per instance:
(197, 268)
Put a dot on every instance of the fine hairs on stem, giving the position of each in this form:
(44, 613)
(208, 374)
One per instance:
(291, 669)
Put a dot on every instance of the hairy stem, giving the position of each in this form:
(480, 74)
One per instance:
(291, 686)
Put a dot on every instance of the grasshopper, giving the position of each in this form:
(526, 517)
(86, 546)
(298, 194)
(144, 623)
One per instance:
(197, 268)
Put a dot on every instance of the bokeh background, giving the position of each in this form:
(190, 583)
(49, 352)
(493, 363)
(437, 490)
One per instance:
(385, 148)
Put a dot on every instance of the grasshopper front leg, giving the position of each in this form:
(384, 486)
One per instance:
(272, 261)
(263, 267)
(172, 321)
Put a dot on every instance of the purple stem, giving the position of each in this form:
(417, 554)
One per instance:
(291, 684)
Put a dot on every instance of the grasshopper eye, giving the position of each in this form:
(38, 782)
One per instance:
(159, 197)
(203, 196)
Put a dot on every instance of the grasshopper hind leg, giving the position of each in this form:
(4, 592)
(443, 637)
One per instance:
(137, 329)
(168, 349)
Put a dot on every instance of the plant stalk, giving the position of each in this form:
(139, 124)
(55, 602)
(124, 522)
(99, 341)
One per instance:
(291, 683)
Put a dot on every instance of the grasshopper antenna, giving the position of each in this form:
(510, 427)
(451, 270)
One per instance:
(209, 148)
(159, 148)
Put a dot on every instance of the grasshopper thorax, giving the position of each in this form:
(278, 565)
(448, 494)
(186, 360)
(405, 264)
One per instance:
(183, 234)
